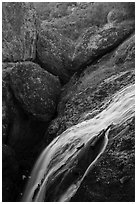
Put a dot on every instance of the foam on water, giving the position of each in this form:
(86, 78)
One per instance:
(62, 150)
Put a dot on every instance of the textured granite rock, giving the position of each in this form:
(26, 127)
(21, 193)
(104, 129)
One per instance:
(31, 94)
(88, 89)
(95, 45)
(81, 16)
(54, 52)
(18, 31)
(22, 133)
(36, 89)
(113, 177)
(126, 11)
(61, 57)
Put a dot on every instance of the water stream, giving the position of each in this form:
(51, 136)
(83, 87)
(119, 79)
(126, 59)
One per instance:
(63, 165)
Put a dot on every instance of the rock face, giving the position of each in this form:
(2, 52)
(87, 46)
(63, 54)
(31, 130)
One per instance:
(81, 15)
(36, 89)
(85, 91)
(95, 45)
(83, 98)
(103, 94)
(19, 31)
(113, 178)
(21, 132)
(54, 52)
(62, 58)
(101, 146)
(89, 47)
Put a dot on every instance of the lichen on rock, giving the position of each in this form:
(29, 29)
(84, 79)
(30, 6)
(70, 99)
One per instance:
(36, 89)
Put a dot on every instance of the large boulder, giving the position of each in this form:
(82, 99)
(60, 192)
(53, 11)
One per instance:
(21, 132)
(35, 89)
(54, 53)
(81, 15)
(61, 57)
(18, 32)
(94, 45)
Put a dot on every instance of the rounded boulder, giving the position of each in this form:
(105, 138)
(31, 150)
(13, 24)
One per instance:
(35, 89)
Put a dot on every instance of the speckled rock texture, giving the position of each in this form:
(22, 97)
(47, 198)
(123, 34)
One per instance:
(95, 45)
(21, 132)
(113, 178)
(54, 53)
(72, 20)
(10, 174)
(87, 90)
(86, 95)
(92, 55)
(18, 31)
(62, 57)
(36, 89)
(118, 15)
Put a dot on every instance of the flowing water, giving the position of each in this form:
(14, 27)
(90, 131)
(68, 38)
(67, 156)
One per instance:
(63, 165)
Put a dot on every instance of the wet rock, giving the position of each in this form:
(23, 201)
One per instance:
(113, 177)
(83, 96)
(35, 89)
(10, 174)
(93, 46)
(19, 31)
(80, 149)
(54, 52)
(20, 131)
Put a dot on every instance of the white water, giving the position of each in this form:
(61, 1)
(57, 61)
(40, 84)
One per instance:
(62, 154)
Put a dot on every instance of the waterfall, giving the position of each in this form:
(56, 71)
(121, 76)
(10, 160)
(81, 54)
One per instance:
(63, 165)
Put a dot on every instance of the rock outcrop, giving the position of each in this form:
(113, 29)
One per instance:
(83, 15)
(89, 49)
(113, 177)
(86, 90)
(21, 132)
(54, 53)
(18, 31)
(62, 58)
(35, 89)
(98, 152)
(95, 45)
